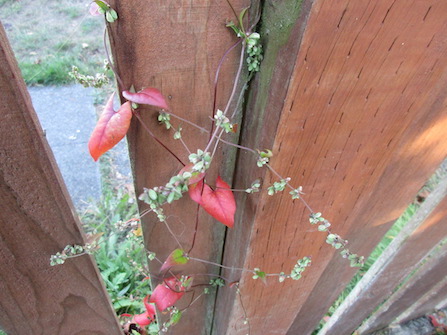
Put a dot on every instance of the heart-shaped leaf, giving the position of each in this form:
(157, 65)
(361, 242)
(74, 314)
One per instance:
(168, 293)
(219, 203)
(177, 257)
(195, 191)
(148, 96)
(111, 128)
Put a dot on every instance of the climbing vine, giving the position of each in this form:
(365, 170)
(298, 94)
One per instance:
(217, 199)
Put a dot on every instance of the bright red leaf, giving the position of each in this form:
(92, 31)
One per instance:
(112, 126)
(168, 293)
(147, 317)
(177, 257)
(219, 203)
(148, 96)
(195, 191)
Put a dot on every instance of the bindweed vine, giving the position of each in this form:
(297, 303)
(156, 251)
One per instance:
(217, 200)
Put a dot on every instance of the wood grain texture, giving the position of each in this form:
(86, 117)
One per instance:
(432, 300)
(176, 46)
(414, 242)
(410, 101)
(37, 220)
(424, 280)
(361, 129)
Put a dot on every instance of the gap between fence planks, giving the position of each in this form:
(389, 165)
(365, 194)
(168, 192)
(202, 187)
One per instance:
(425, 229)
(361, 129)
(432, 272)
(37, 219)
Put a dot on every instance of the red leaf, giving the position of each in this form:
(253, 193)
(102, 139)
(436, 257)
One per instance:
(111, 128)
(177, 257)
(195, 191)
(147, 317)
(219, 203)
(148, 96)
(166, 294)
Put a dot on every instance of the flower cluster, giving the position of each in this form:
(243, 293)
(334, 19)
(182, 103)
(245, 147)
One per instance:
(278, 186)
(173, 190)
(71, 251)
(296, 193)
(254, 52)
(165, 118)
(316, 218)
(299, 268)
(223, 122)
(201, 161)
(99, 80)
(264, 157)
(254, 187)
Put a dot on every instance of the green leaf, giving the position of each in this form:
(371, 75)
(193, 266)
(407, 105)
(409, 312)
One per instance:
(120, 278)
(124, 291)
(109, 17)
(177, 257)
(241, 18)
(102, 5)
(176, 317)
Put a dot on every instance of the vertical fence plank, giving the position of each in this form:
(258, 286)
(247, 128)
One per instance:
(37, 220)
(433, 299)
(176, 47)
(424, 280)
(424, 231)
(361, 129)
(385, 86)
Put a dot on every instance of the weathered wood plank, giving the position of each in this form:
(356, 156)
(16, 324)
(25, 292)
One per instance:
(432, 300)
(282, 29)
(425, 229)
(176, 46)
(433, 271)
(37, 220)
(361, 129)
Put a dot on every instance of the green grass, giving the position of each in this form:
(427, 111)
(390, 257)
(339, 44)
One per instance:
(386, 240)
(121, 257)
(48, 37)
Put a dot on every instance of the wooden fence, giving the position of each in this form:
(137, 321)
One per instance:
(351, 97)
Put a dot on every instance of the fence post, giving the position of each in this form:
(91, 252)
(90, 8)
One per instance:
(37, 220)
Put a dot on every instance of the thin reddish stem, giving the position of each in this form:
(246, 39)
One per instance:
(216, 79)
(195, 228)
(155, 138)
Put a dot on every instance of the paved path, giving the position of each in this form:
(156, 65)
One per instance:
(67, 115)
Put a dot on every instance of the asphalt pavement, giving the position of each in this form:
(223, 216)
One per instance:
(67, 114)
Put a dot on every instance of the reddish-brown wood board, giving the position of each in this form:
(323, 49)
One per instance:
(176, 46)
(37, 220)
(361, 129)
